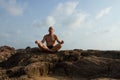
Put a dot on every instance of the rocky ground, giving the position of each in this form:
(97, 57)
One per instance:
(77, 64)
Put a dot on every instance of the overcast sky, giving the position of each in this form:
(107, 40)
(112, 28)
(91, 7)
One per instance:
(82, 24)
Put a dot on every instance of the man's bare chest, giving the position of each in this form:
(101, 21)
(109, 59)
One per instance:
(50, 38)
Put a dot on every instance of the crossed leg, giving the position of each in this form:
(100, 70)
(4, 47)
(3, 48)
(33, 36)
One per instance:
(56, 47)
(42, 46)
(45, 48)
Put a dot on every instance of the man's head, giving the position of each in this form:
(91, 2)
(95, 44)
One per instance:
(51, 30)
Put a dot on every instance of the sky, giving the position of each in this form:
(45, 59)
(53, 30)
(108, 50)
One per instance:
(82, 24)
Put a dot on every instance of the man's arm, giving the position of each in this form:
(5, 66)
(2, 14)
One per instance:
(43, 40)
(60, 42)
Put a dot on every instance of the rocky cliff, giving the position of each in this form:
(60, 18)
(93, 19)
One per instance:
(77, 64)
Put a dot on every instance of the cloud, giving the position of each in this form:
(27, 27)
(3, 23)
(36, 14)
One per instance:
(65, 9)
(75, 20)
(103, 12)
(65, 14)
(46, 22)
(12, 7)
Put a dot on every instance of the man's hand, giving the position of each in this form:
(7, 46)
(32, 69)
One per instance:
(62, 42)
(36, 42)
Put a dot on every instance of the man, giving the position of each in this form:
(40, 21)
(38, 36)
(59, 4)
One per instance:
(50, 40)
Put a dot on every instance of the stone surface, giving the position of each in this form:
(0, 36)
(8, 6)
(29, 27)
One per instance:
(77, 64)
(6, 52)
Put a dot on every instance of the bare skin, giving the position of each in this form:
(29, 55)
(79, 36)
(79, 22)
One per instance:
(50, 40)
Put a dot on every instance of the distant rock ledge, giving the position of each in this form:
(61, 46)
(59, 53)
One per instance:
(26, 64)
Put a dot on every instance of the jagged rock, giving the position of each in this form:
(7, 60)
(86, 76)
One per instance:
(26, 64)
(37, 69)
(3, 75)
(98, 53)
(6, 52)
(15, 71)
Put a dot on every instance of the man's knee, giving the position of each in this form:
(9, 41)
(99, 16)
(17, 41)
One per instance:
(57, 47)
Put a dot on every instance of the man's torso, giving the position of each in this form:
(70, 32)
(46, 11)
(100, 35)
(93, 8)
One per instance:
(50, 39)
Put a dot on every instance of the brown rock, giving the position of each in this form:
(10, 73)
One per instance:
(6, 52)
(24, 64)
(37, 69)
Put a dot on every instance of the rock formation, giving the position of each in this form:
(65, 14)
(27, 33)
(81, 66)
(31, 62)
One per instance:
(29, 63)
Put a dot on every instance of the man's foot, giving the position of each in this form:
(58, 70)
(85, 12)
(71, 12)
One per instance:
(52, 51)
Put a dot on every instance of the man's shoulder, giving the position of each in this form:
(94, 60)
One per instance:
(55, 35)
(46, 35)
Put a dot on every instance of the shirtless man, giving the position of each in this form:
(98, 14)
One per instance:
(50, 40)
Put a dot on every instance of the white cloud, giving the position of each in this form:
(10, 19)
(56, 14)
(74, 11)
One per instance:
(65, 14)
(103, 12)
(49, 21)
(12, 7)
(65, 9)
(68, 15)
(77, 19)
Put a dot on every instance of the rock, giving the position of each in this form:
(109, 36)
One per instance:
(98, 53)
(37, 69)
(6, 52)
(3, 75)
(14, 60)
(114, 69)
(31, 63)
(15, 71)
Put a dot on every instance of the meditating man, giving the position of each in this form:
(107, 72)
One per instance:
(50, 40)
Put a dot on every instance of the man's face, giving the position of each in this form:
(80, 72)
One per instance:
(51, 30)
